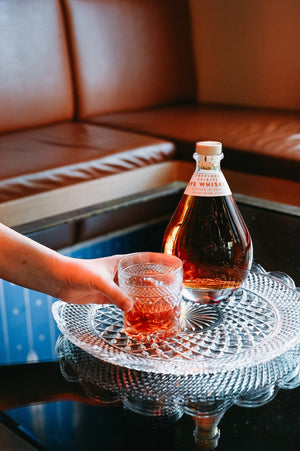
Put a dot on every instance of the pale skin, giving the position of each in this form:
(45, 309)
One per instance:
(78, 281)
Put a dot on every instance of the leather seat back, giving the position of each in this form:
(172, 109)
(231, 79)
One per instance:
(248, 52)
(35, 78)
(130, 54)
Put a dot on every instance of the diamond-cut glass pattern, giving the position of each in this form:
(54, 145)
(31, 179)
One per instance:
(172, 389)
(256, 325)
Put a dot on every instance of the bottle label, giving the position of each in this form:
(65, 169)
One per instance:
(208, 184)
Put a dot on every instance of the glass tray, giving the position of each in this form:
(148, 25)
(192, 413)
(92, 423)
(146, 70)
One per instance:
(257, 324)
(107, 382)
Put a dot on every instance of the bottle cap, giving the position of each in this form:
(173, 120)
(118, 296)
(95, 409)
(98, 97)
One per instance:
(209, 148)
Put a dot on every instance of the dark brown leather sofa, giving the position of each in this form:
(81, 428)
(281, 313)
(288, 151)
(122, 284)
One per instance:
(99, 99)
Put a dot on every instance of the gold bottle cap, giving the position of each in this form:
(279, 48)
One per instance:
(208, 148)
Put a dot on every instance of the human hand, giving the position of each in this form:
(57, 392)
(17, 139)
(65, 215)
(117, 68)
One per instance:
(92, 281)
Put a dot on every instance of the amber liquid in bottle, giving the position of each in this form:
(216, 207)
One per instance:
(209, 235)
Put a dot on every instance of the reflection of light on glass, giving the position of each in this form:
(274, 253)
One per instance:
(4, 322)
(32, 355)
(295, 137)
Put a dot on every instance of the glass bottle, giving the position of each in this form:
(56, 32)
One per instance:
(207, 232)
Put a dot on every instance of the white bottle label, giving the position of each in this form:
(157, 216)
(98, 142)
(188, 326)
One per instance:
(208, 183)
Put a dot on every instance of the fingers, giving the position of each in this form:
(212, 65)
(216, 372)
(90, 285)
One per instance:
(94, 281)
(115, 295)
(110, 288)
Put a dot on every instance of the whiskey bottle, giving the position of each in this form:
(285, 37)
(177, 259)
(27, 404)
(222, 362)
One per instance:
(207, 232)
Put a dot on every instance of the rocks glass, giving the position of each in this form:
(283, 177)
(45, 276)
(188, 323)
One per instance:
(154, 282)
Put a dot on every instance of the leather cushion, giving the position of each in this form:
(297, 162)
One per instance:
(38, 160)
(130, 54)
(247, 52)
(254, 140)
(35, 77)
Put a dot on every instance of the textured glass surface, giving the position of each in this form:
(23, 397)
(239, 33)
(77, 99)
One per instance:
(259, 323)
(108, 383)
(153, 281)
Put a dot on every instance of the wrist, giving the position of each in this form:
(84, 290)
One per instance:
(59, 274)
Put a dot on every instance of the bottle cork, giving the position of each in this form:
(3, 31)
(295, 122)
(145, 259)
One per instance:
(209, 148)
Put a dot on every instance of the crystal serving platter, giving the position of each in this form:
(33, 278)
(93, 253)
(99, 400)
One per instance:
(247, 386)
(257, 324)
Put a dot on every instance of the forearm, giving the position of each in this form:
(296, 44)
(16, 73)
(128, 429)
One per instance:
(29, 264)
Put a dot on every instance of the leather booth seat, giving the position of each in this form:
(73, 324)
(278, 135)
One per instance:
(158, 94)
(55, 156)
(92, 89)
(255, 140)
(43, 148)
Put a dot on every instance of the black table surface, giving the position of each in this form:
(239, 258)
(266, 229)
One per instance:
(94, 426)
(91, 426)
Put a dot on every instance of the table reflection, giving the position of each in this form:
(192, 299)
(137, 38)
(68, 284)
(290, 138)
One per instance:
(251, 353)
(80, 398)
(163, 398)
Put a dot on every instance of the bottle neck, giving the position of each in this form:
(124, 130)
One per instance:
(208, 162)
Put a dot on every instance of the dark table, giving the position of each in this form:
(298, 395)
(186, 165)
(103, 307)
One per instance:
(41, 410)
(57, 415)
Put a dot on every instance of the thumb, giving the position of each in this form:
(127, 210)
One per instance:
(116, 296)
